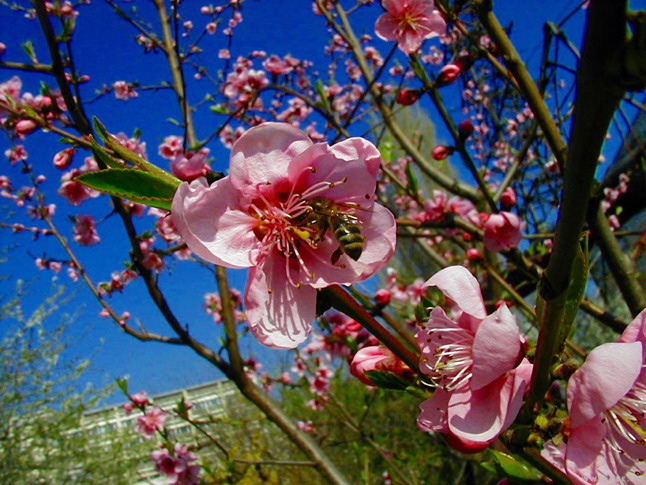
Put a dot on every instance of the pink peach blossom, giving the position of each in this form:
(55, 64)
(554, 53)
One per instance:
(124, 91)
(502, 231)
(152, 421)
(474, 360)
(177, 467)
(85, 230)
(409, 22)
(606, 400)
(190, 165)
(257, 218)
(75, 192)
(171, 147)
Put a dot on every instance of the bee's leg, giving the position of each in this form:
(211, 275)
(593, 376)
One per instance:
(336, 255)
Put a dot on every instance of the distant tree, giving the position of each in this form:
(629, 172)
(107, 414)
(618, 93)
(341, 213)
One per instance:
(42, 440)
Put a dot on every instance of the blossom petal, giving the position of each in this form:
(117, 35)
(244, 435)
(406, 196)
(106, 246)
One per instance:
(213, 225)
(636, 330)
(385, 27)
(359, 149)
(498, 336)
(607, 374)
(280, 315)
(481, 416)
(263, 154)
(410, 41)
(432, 25)
(586, 455)
(342, 179)
(457, 283)
(433, 416)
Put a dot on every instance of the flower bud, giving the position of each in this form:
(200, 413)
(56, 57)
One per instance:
(382, 297)
(448, 74)
(441, 152)
(406, 97)
(63, 158)
(376, 358)
(25, 127)
(465, 129)
(474, 254)
(508, 197)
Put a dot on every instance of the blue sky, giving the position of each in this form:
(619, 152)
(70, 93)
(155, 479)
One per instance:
(106, 52)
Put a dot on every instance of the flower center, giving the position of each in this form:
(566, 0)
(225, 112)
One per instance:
(408, 20)
(451, 363)
(626, 421)
(284, 225)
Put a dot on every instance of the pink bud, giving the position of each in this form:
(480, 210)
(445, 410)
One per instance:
(406, 97)
(465, 129)
(448, 74)
(3, 48)
(441, 152)
(474, 254)
(365, 360)
(382, 297)
(376, 358)
(25, 127)
(508, 197)
(63, 158)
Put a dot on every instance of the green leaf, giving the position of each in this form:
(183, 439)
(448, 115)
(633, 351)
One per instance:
(123, 385)
(320, 90)
(515, 467)
(386, 149)
(387, 380)
(100, 154)
(28, 48)
(413, 186)
(219, 109)
(130, 156)
(135, 185)
(576, 290)
(418, 69)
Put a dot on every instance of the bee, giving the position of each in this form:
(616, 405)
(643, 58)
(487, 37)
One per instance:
(326, 214)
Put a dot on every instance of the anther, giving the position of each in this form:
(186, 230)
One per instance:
(269, 290)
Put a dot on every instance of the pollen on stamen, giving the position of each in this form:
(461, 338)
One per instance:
(269, 290)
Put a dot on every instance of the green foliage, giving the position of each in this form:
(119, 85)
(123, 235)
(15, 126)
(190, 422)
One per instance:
(42, 435)
(370, 432)
(133, 185)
